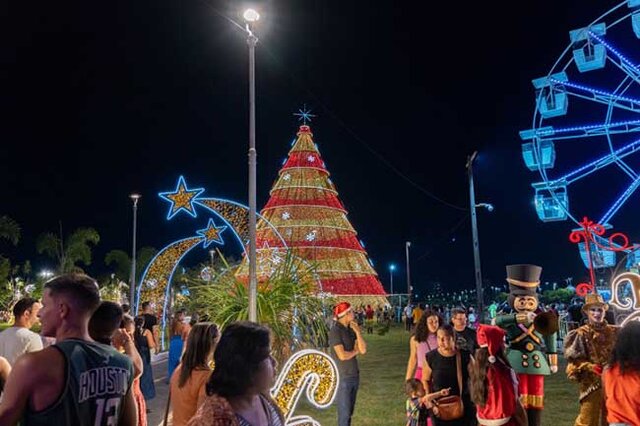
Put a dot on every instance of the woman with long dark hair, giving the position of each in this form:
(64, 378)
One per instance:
(423, 341)
(493, 383)
(622, 378)
(189, 379)
(145, 343)
(238, 388)
(447, 367)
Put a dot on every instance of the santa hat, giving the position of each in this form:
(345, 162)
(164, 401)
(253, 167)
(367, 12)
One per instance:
(492, 338)
(341, 309)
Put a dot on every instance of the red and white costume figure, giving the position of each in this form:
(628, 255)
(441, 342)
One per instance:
(502, 398)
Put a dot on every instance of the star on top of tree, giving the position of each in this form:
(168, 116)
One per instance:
(304, 114)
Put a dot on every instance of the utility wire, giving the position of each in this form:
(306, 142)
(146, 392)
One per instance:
(446, 237)
(351, 132)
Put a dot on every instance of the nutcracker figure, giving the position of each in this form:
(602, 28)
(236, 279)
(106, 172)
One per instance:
(531, 336)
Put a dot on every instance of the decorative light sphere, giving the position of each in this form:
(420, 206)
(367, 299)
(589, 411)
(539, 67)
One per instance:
(251, 15)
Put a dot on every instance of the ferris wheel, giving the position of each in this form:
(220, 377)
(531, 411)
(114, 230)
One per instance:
(585, 131)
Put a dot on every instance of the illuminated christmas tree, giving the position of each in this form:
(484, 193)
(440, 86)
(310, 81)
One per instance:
(305, 209)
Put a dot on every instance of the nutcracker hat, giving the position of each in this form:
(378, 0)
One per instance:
(523, 279)
(341, 309)
(492, 338)
(594, 299)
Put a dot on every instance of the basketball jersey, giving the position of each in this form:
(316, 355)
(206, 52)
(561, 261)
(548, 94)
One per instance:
(97, 379)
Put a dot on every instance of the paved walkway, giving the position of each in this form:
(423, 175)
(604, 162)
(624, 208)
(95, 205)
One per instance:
(158, 404)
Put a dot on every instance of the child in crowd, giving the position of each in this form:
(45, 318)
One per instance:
(417, 413)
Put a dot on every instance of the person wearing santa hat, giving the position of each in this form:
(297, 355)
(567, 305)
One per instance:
(346, 341)
(493, 383)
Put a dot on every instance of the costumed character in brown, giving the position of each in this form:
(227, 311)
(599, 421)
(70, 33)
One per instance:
(531, 338)
(587, 349)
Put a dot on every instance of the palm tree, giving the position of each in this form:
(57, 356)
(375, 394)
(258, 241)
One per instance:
(70, 251)
(122, 262)
(287, 302)
(9, 229)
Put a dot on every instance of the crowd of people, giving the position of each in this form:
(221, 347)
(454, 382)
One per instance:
(494, 374)
(91, 363)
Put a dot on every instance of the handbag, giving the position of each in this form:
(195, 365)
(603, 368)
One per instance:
(451, 407)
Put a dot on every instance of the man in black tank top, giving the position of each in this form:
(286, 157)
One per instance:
(76, 381)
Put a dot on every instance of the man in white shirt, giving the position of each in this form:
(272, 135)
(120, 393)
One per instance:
(19, 339)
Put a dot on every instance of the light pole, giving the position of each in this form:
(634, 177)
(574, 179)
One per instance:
(406, 248)
(132, 278)
(250, 16)
(474, 230)
(392, 268)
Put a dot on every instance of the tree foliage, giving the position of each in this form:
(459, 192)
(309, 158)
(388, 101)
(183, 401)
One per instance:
(9, 229)
(120, 262)
(76, 248)
(287, 303)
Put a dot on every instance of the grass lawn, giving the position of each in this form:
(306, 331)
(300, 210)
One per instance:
(381, 396)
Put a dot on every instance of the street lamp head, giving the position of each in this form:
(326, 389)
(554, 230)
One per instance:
(46, 273)
(251, 15)
(487, 206)
(392, 267)
(135, 196)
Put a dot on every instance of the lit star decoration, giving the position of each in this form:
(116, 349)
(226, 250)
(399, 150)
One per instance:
(304, 114)
(311, 159)
(311, 371)
(211, 234)
(286, 177)
(286, 216)
(182, 198)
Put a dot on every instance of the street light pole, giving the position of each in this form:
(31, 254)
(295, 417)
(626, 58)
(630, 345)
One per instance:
(132, 277)
(251, 16)
(392, 268)
(406, 247)
(474, 231)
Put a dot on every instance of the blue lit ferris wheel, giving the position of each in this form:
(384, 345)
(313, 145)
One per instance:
(585, 131)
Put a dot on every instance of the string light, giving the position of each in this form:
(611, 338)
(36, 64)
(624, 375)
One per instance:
(159, 273)
(304, 206)
(181, 198)
(211, 234)
(632, 303)
(309, 371)
(595, 91)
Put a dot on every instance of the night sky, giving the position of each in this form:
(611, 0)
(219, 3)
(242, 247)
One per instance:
(100, 100)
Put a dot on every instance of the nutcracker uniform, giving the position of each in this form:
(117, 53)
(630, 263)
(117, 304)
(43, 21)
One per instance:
(531, 354)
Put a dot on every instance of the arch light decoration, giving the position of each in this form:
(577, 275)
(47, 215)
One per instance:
(154, 284)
